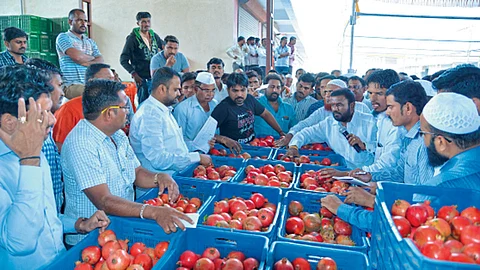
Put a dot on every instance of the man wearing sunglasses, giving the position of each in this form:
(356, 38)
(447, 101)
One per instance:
(358, 87)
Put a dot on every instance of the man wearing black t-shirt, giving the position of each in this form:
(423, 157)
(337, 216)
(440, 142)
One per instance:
(236, 114)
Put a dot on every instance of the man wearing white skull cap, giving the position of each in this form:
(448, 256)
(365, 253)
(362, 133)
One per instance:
(450, 127)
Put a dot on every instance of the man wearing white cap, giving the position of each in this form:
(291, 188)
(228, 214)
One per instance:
(192, 114)
(450, 128)
(322, 113)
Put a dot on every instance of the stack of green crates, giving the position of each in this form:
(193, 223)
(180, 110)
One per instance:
(42, 34)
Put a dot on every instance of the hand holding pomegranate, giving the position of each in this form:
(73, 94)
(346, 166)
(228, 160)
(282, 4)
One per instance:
(329, 173)
(205, 160)
(331, 202)
(292, 152)
(360, 196)
(168, 218)
(284, 140)
(233, 145)
(98, 220)
(165, 181)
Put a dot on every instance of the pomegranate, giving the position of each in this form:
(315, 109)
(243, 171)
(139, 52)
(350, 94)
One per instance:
(150, 252)
(254, 212)
(294, 225)
(460, 257)
(250, 264)
(441, 225)
(399, 208)
(218, 264)
(212, 220)
(317, 236)
(187, 259)
(137, 248)
(301, 264)
(425, 234)
(472, 213)
(211, 253)
(403, 226)
(109, 248)
(236, 224)
(144, 260)
(470, 234)
(91, 254)
(252, 224)
(107, 235)
(204, 264)
(250, 204)
(266, 216)
(226, 216)
(271, 206)
(82, 266)
(342, 228)
(436, 250)
(431, 212)
(240, 215)
(261, 180)
(459, 223)
(312, 223)
(416, 214)
(283, 264)
(135, 267)
(236, 255)
(160, 249)
(118, 260)
(196, 201)
(327, 263)
(294, 208)
(473, 251)
(191, 208)
(237, 206)
(345, 240)
(324, 212)
(448, 212)
(454, 245)
(232, 264)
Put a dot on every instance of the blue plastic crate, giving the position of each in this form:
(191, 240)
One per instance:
(311, 203)
(259, 163)
(254, 153)
(310, 153)
(229, 190)
(135, 230)
(306, 167)
(388, 249)
(334, 158)
(345, 259)
(237, 163)
(199, 239)
(204, 190)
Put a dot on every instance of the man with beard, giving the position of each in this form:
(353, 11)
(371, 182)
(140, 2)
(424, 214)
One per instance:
(301, 99)
(235, 114)
(155, 135)
(360, 126)
(281, 111)
(170, 57)
(322, 113)
(216, 67)
(15, 41)
(192, 114)
(76, 52)
(141, 45)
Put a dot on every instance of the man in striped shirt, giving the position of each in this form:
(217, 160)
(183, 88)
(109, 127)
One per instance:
(76, 52)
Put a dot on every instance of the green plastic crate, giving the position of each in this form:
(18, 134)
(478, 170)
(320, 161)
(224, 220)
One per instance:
(29, 23)
(45, 25)
(60, 25)
(34, 44)
(45, 44)
(31, 54)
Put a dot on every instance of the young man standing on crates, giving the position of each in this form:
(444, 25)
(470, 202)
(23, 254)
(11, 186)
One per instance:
(15, 40)
(76, 52)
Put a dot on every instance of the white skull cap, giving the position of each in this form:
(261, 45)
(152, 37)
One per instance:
(452, 113)
(338, 83)
(205, 78)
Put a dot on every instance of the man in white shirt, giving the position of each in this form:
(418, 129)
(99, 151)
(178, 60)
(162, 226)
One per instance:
(252, 56)
(216, 67)
(237, 52)
(357, 147)
(358, 87)
(155, 135)
(262, 56)
(192, 114)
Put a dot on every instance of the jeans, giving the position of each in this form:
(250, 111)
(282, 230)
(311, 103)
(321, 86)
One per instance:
(144, 90)
(282, 70)
(236, 66)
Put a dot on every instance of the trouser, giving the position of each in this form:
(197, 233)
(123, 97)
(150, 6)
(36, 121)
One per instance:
(74, 90)
(282, 70)
(144, 90)
(264, 72)
(236, 66)
(290, 70)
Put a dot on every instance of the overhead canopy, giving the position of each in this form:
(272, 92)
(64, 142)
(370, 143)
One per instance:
(436, 3)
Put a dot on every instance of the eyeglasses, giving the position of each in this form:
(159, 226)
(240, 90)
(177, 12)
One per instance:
(127, 108)
(422, 133)
(207, 91)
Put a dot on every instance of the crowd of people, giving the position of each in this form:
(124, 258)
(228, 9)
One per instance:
(73, 150)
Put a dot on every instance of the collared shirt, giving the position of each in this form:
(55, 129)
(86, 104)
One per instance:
(159, 61)
(291, 58)
(239, 52)
(362, 125)
(282, 61)
(320, 115)
(91, 158)
(262, 56)
(220, 95)
(73, 72)
(412, 167)
(157, 139)
(6, 59)
(315, 106)
(389, 139)
(53, 157)
(285, 117)
(191, 117)
(300, 107)
(368, 102)
(32, 233)
(251, 59)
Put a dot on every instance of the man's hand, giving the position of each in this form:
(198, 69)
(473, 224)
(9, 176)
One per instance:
(373, 188)
(360, 196)
(98, 220)
(292, 152)
(330, 172)
(167, 218)
(233, 145)
(352, 140)
(205, 160)
(165, 181)
(138, 80)
(331, 202)
(284, 141)
(360, 174)
(211, 143)
(170, 61)
(29, 134)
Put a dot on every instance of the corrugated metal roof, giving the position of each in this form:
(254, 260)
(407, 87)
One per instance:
(436, 3)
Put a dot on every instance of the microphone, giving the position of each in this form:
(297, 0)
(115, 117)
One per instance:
(345, 134)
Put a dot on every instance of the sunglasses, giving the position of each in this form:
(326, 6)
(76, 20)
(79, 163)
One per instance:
(127, 108)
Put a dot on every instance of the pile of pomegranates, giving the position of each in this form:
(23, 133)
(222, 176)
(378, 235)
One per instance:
(183, 204)
(253, 214)
(316, 147)
(211, 260)
(267, 141)
(448, 235)
(244, 155)
(268, 175)
(114, 254)
(223, 173)
(326, 263)
(315, 181)
(303, 159)
(323, 226)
